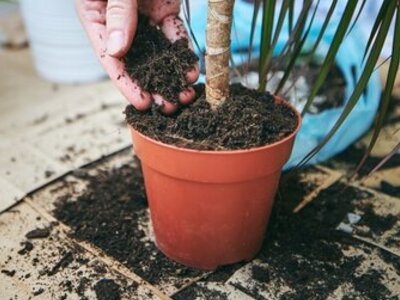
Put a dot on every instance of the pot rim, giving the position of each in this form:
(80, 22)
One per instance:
(232, 152)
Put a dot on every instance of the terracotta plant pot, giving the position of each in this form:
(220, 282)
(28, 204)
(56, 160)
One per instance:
(210, 208)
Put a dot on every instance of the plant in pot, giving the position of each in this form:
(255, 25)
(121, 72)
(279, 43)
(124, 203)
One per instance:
(212, 169)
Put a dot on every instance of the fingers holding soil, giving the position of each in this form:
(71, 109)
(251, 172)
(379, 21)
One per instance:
(154, 69)
(174, 30)
(115, 68)
(140, 99)
(187, 96)
(193, 74)
(158, 10)
(166, 107)
(163, 68)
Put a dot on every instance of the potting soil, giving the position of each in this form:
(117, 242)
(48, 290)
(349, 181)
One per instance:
(246, 119)
(158, 65)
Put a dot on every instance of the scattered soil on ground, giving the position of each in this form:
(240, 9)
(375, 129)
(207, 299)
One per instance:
(26, 248)
(389, 188)
(38, 233)
(112, 214)
(247, 119)
(107, 289)
(59, 259)
(200, 292)
(64, 261)
(158, 65)
(9, 273)
(259, 273)
(377, 226)
(300, 249)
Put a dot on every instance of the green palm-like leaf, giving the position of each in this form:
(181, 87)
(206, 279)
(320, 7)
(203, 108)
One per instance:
(363, 81)
(294, 37)
(296, 53)
(266, 33)
(278, 29)
(377, 24)
(290, 17)
(333, 49)
(257, 4)
(386, 97)
(323, 28)
(358, 16)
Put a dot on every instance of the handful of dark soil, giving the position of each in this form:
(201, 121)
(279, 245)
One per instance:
(246, 119)
(158, 65)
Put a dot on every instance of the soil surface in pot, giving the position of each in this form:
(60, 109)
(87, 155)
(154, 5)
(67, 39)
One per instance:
(158, 65)
(247, 119)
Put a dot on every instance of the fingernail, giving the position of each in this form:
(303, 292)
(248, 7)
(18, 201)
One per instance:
(115, 42)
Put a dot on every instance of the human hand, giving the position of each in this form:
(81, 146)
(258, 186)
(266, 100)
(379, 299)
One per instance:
(111, 27)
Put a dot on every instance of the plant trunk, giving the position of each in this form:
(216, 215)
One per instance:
(218, 38)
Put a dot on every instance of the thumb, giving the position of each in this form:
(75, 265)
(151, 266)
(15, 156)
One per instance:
(121, 22)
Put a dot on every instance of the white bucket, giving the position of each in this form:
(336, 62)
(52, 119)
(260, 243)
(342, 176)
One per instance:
(60, 47)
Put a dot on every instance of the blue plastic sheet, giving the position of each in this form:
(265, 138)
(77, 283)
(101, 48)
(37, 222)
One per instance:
(349, 60)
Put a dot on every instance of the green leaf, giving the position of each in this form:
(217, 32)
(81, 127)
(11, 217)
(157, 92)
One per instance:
(323, 28)
(333, 49)
(266, 33)
(257, 4)
(296, 53)
(294, 37)
(363, 81)
(265, 67)
(290, 17)
(377, 24)
(387, 93)
(358, 16)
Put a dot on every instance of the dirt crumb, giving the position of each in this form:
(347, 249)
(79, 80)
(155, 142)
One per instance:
(27, 247)
(38, 233)
(65, 260)
(107, 289)
(9, 273)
